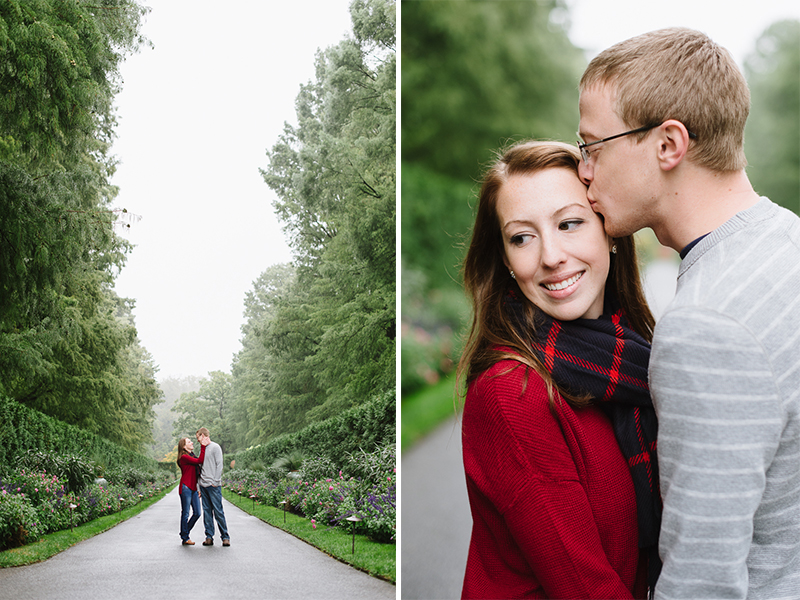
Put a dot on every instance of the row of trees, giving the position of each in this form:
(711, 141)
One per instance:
(319, 335)
(68, 344)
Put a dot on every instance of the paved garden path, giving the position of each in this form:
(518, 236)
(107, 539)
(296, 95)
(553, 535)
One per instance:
(143, 558)
(436, 520)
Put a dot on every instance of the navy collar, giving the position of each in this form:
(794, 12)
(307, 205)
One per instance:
(691, 245)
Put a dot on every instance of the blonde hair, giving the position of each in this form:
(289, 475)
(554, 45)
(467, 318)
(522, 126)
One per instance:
(487, 279)
(680, 74)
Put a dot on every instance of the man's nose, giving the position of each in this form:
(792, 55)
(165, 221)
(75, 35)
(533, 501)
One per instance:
(585, 172)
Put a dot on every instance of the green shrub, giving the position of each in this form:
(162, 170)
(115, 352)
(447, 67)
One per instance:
(317, 468)
(289, 462)
(75, 470)
(371, 466)
(128, 476)
(272, 473)
(23, 429)
(32, 485)
(367, 426)
(377, 508)
(19, 521)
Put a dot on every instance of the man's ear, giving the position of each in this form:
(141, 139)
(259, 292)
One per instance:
(673, 143)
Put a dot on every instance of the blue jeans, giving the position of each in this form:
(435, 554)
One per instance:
(188, 498)
(212, 509)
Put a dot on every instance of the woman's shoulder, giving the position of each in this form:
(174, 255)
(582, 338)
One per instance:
(509, 369)
(506, 385)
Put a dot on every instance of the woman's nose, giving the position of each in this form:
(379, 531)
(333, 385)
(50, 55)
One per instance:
(552, 251)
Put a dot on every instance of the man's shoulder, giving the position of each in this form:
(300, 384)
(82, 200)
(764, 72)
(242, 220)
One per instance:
(732, 267)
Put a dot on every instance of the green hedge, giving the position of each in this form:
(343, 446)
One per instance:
(23, 429)
(365, 427)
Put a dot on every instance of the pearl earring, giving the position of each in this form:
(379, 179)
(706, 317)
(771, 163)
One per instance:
(614, 249)
(512, 274)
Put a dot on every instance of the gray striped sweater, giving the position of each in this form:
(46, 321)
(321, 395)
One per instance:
(725, 380)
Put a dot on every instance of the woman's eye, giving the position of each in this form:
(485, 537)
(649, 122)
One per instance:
(519, 239)
(569, 225)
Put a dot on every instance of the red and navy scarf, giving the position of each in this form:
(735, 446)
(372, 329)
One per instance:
(607, 360)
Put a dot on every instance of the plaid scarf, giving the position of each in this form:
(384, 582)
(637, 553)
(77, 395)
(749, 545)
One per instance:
(606, 359)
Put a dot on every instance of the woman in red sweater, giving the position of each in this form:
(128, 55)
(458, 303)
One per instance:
(187, 488)
(558, 429)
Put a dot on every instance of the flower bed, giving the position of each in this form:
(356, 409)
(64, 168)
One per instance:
(365, 488)
(33, 503)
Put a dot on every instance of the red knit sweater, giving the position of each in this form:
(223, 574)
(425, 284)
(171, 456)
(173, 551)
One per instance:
(188, 465)
(553, 506)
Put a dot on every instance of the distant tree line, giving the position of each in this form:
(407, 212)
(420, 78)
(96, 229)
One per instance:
(68, 344)
(319, 336)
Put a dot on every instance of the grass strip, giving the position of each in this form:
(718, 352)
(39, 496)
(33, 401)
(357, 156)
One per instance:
(424, 411)
(53, 543)
(379, 560)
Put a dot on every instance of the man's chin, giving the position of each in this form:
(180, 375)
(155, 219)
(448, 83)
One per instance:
(616, 230)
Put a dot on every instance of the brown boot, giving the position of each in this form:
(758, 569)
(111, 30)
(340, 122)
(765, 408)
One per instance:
(208, 542)
(188, 543)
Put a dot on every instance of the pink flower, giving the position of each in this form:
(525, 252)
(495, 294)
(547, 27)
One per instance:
(331, 488)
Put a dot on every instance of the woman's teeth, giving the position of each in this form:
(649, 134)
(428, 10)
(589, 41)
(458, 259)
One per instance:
(554, 287)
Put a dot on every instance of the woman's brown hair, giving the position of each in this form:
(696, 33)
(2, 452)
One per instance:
(487, 280)
(182, 448)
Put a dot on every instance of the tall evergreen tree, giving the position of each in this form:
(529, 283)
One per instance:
(66, 346)
(332, 338)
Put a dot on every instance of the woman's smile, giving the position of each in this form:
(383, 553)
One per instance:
(562, 285)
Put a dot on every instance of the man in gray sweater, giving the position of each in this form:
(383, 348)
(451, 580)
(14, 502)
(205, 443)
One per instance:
(662, 123)
(211, 490)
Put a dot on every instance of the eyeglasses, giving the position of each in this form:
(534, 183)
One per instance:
(585, 153)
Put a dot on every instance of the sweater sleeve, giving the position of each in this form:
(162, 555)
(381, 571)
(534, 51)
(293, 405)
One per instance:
(189, 459)
(516, 456)
(719, 427)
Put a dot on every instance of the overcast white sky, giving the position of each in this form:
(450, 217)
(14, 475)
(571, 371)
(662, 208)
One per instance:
(198, 112)
(597, 24)
(196, 115)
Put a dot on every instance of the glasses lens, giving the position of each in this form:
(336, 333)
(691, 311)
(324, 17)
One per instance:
(584, 153)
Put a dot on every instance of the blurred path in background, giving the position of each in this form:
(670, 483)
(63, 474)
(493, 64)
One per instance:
(436, 520)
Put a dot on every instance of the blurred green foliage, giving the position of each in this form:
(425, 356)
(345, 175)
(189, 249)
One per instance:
(475, 77)
(478, 73)
(772, 135)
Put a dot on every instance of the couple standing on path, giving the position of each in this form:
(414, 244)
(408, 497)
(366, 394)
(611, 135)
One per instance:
(571, 496)
(203, 472)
